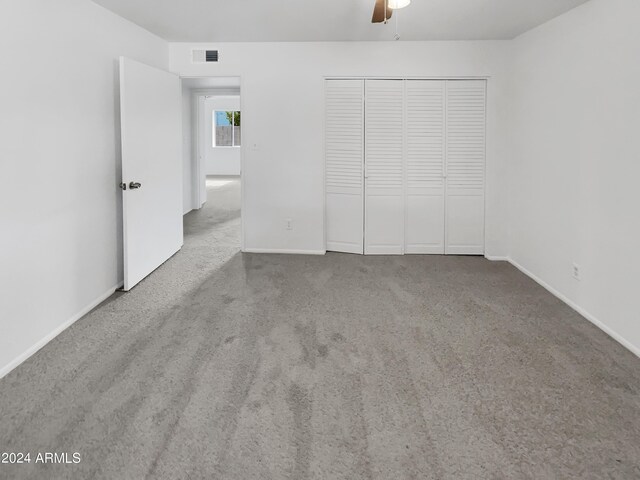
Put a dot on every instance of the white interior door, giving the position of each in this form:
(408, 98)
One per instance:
(344, 153)
(384, 171)
(466, 105)
(425, 183)
(151, 109)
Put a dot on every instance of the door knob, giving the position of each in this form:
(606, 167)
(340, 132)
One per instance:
(134, 185)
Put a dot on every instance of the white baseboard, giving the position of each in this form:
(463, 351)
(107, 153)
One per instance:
(496, 258)
(284, 251)
(41, 343)
(613, 334)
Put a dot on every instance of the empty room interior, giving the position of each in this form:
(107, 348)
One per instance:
(342, 239)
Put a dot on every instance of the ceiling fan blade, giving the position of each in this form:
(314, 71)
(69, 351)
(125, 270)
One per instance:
(379, 12)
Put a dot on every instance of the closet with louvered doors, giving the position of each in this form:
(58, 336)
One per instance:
(419, 146)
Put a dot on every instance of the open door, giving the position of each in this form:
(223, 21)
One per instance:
(151, 115)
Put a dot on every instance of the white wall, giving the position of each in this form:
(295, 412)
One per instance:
(219, 160)
(283, 165)
(59, 148)
(574, 180)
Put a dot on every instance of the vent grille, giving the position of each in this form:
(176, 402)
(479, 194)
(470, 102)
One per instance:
(204, 56)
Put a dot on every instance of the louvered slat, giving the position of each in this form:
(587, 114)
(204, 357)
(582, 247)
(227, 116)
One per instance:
(344, 134)
(384, 139)
(465, 136)
(425, 134)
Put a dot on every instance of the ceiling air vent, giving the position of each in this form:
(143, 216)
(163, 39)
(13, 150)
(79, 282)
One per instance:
(205, 56)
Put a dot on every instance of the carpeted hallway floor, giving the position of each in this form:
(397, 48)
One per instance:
(230, 366)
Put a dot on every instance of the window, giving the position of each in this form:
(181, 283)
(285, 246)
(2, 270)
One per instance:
(226, 129)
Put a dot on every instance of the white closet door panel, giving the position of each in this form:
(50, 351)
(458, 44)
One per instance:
(425, 153)
(384, 172)
(385, 224)
(344, 154)
(465, 225)
(425, 224)
(344, 231)
(465, 165)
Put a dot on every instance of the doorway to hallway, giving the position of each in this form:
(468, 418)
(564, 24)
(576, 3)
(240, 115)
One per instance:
(212, 160)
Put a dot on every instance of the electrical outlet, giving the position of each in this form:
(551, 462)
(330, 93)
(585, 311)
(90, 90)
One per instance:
(288, 224)
(576, 272)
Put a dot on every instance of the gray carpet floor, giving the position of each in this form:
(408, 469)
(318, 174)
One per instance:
(225, 365)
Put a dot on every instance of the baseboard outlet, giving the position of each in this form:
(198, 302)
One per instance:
(284, 251)
(613, 334)
(496, 259)
(41, 343)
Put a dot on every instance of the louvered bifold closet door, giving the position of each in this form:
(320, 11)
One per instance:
(384, 145)
(344, 155)
(425, 136)
(465, 154)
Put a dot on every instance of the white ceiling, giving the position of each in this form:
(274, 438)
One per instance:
(335, 20)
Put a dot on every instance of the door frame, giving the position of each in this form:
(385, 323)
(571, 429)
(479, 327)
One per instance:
(487, 78)
(197, 186)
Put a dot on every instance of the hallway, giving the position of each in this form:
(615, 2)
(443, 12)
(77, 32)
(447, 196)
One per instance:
(217, 223)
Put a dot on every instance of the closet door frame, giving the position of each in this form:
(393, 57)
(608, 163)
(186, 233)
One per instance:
(487, 80)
